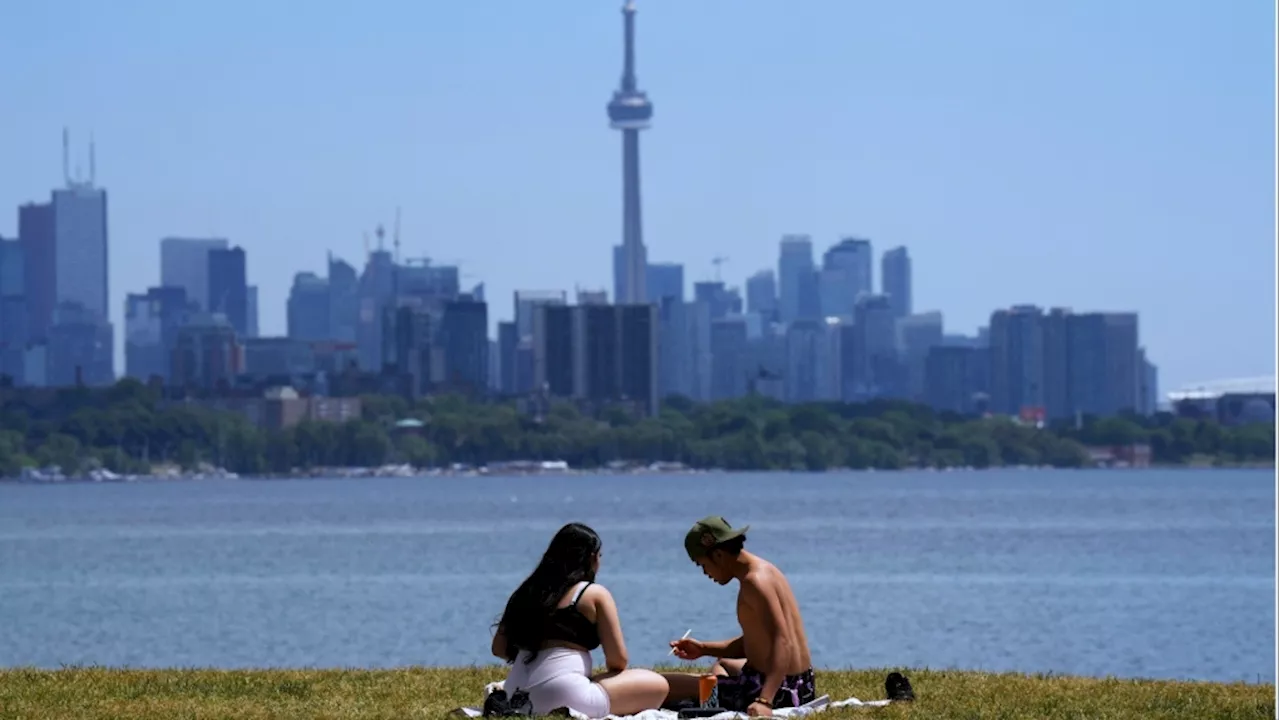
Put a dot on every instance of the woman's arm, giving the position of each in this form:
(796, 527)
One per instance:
(499, 646)
(615, 649)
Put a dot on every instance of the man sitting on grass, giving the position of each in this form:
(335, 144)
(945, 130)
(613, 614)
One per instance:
(768, 665)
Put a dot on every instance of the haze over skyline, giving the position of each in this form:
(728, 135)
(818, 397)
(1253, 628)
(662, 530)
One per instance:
(1097, 156)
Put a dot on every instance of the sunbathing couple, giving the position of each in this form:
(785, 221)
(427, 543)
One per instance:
(560, 614)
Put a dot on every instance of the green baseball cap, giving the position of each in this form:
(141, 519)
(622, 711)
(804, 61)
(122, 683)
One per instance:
(709, 532)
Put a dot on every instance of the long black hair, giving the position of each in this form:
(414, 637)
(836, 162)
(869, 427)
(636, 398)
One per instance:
(569, 559)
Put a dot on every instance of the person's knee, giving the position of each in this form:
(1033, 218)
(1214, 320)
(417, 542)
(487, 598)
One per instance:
(728, 667)
(652, 681)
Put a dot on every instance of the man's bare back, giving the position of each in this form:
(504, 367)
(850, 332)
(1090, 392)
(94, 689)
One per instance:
(762, 585)
(768, 665)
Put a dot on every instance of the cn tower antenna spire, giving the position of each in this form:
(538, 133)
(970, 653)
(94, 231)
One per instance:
(629, 44)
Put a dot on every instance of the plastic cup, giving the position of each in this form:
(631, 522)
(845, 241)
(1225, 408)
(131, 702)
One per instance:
(708, 696)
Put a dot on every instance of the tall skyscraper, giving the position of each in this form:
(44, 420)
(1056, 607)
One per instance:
(846, 274)
(307, 314)
(629, 112)
(65, 249)
(464, 336)
(36, 236)
(228, 292)
(64, 246)
(13, 310)
(184, 263)
(80, 246)
(895, 280)
(795, 269)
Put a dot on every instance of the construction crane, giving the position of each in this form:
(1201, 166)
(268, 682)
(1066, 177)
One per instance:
(717, 261)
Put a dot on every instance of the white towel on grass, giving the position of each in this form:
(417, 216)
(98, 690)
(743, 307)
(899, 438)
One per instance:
(818, 705)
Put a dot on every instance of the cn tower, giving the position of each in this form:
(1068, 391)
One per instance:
(630, 111)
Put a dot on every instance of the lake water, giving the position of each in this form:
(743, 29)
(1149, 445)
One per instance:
(1167, 574)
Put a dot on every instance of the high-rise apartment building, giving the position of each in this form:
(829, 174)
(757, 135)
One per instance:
(1060, 364)
(1017, 360)
(465, 341)
(602, 354)
(1105, 364)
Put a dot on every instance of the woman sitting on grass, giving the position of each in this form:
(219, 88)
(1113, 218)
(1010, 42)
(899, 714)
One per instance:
(553, 621)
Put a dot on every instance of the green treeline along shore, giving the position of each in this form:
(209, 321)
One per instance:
(127, 428)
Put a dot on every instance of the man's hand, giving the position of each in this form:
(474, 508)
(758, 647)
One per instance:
(757, 709)
(688, 649)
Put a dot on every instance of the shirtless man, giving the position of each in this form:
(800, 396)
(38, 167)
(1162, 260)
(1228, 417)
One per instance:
(768, 665)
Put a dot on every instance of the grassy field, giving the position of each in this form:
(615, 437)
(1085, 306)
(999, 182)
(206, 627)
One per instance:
(92, 693)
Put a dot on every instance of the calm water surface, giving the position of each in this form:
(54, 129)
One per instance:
(1156, 574)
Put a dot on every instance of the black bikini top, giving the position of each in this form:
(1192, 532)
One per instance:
(568, 624)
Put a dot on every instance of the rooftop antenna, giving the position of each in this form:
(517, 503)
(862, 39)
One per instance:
(395, 235)
(66, 155)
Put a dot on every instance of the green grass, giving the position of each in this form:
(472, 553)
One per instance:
(89, 693)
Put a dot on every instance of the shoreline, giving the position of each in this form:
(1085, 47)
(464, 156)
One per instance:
(357, 694)
(404, 471)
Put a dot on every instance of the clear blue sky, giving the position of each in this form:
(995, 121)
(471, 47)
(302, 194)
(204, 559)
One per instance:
(1093, 154)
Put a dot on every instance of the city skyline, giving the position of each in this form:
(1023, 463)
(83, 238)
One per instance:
(1116, 264)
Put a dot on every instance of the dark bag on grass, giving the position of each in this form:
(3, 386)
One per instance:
(498, 704)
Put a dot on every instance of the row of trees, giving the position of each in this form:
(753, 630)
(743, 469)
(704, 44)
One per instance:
(125, 428)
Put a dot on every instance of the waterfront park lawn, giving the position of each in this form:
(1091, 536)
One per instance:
(92, 693)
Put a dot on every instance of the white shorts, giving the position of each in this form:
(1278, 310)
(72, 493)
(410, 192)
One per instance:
(558, 677)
